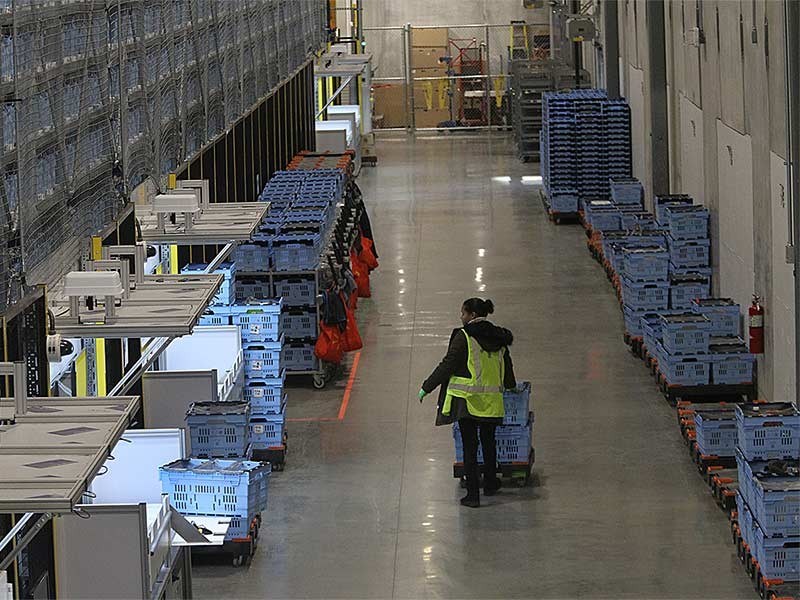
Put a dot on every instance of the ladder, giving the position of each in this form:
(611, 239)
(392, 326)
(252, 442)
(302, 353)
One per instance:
(518, 47)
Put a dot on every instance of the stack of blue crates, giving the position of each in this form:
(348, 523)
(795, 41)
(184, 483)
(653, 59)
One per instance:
(716, 432)
(731, 361)
(514, 438)
(685, 339)
(644, 284)
(302, 211)
(768, 498)
(689, 248)
(259, 323)
(218, 488)
(262, 346)
(585, 139)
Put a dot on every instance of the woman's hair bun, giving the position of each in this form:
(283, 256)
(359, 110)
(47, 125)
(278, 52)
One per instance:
(479, 306)
(488, 306)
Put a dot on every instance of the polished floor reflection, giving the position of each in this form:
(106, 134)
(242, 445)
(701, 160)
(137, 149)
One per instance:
(368, 508)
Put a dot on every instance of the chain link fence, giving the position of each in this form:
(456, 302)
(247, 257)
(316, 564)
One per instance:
(97, 96)
(450, 76)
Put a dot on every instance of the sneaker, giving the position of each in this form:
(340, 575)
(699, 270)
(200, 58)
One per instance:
(491, 490)
(471, 502)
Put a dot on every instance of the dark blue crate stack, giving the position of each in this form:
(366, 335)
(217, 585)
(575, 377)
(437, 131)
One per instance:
(262, 346)
(731, 362)
(715, 433)
(768, 498)
(219, 429)
(585, 139)
(644, 285)
(218, 488)
(685, 359)
(514, 438)
(602, 215)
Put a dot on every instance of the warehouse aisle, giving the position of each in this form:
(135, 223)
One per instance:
(367, 507)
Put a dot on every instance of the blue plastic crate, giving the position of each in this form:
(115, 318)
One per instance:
(253, 257)
(689, 253)
(218, 429)
(252, 288)
(776, 503)
(684, 289)
(768, 431)
(216, 487)
(639, 221)
(295, 252)
(690, 271)
(517, 404)
(216, 316)
(265, 394)
(626, 191)
(777, 557)
(731, 366)
(299, 356)
(227, 291)
(644, 295)
(745, 519)
(633, 321)
(258, 321)
(267, 431)
(716, 432)
(262, 359)
(687, 222)
(685, 333)
(296, 291)
(661, 204)
(722, 312)
(645, 264)
(299, 323)
(684, 370)
(512, 442)
(563, 201)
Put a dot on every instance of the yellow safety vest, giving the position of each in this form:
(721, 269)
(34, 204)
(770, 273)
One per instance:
(483, 390)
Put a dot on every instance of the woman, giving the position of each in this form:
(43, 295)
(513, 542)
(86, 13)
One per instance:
(471, 379)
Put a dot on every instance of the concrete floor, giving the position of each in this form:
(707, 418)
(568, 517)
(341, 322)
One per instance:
(368, 508)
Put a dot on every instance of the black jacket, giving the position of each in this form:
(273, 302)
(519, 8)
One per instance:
(491, 338)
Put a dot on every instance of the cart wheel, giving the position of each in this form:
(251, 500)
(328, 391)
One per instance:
(319, 381)
(238, 560)
(277, 466)
(463, 483)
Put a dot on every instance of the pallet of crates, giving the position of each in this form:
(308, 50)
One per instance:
(513, 439)
(235, 489)
(561, 205)
(767, 533)
(643, 287)
(715, 439)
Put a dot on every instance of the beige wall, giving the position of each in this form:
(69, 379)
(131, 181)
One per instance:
(726, 111)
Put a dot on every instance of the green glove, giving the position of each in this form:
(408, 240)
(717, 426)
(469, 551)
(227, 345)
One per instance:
(422, 394)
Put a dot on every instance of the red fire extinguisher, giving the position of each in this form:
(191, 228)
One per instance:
(756, 317)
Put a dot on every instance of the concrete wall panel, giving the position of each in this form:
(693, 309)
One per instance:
(691, 54)
(731, 65)
(781, 318)
(691, 150)
(735, 168)
(639, 130)
(773, 31)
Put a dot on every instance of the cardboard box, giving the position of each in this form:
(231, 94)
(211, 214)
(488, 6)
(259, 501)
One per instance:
(389, 105)
(431, 118)
(437, 37)
(426, 58)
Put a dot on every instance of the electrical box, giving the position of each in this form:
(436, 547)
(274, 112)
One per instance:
(694, 37)
(581, 29)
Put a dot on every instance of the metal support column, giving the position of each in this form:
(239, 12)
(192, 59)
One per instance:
(411, 124)
(792, 15)
(657, 87)
(610, 10)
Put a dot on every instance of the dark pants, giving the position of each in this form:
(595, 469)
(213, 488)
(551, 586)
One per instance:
(470, 430)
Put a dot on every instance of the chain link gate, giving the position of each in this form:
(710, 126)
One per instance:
(448, 77)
